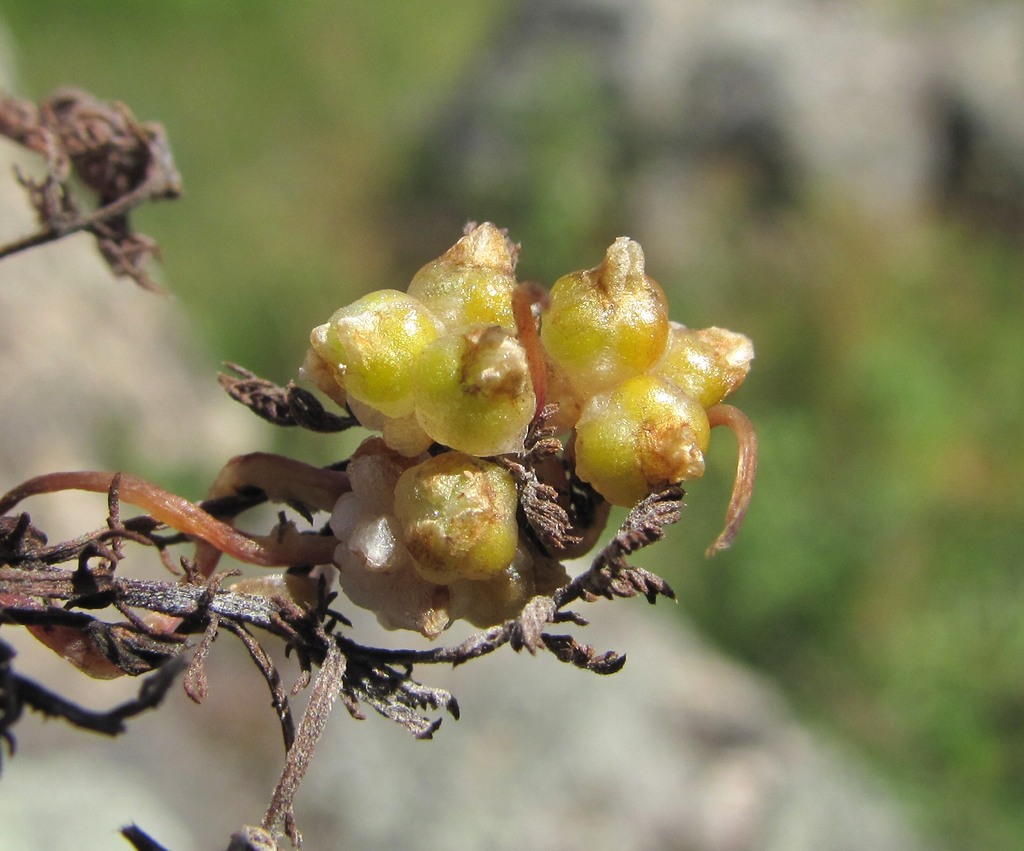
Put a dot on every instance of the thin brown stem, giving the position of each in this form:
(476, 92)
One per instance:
(88, 221)
(280, 814)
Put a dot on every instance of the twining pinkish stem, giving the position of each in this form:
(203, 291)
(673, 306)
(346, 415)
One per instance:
(746, 470)
(523, 299)
(282, 479)
(275, 550)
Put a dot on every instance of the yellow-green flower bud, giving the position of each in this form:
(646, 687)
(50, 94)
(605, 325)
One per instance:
(406, 436)
(491, 601)
(708, 363)
(473, 391)
(319, 372)
(458, 517)
(641, 436)
(606, 324)
(472, 282)
(370, 347)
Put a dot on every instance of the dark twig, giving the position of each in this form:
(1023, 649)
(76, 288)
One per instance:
(141, 840)
(278, 694)
(17, 692)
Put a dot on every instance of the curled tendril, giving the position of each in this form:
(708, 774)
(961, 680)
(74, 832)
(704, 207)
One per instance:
(746, 469)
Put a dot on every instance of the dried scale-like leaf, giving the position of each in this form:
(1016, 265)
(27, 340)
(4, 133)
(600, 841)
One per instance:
(527, 630)
(195, 683)
(283, 406)
(124, 162)
(567, 649)
(280, 815)
(610, 574)
(548, 520)
(308, 413)
(565, 522)
(395, 695)
(264, 398)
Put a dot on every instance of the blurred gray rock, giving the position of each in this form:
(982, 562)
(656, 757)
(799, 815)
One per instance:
(589, 113)
(682, 749)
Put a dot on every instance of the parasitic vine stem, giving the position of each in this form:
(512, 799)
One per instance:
(746, 469)
(280, 549)
(524, 297)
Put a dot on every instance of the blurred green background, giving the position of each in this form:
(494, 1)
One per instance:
(879, 575)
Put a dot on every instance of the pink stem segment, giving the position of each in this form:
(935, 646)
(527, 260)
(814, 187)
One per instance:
(746, 470)
(524, 297)
(276, 550)
(282, 479)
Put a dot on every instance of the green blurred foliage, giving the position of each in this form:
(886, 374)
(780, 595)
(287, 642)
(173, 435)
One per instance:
(879, 575)
(286, 121)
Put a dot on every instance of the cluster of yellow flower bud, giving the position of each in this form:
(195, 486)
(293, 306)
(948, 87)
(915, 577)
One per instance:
(642, 383)
(453, 372)
(439, 364)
